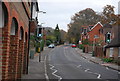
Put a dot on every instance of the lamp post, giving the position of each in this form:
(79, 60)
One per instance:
(40, 12)
(41, 33)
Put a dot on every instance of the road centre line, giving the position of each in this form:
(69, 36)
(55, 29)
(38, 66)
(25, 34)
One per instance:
(66, 54)
(79, 66)
(55, 71)
(87, 70)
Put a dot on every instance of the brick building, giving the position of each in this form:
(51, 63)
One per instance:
(89, 32)
(113, 48)
(14, 26)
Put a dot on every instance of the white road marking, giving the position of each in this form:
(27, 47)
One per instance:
(107, 68)
(98, 75)
(55, 71)
(46, 76)
(78, 66)
(87, 70)
(66, 55)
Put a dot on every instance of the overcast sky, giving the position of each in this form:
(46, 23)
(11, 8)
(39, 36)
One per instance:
(61, 11)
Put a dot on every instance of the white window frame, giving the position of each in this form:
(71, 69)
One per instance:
(111, 52)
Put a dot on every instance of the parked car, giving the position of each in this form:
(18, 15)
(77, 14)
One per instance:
(51, 46)
(73, 45)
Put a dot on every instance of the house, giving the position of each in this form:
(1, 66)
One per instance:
(90, 32)
(14, 31)
(94, 34)
(106, 30)
(113, 48)
(84, 33)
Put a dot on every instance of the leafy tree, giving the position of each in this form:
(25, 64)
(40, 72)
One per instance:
(109, 15)
(82, 18)
(52, 38)
(63, 36)
(57, 34)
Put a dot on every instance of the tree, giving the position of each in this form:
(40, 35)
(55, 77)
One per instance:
(57, 34)
(82, 18)
(63, 36)
(109, 15)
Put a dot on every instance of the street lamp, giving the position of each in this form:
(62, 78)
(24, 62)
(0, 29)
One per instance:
(40, 35)
(40, 12)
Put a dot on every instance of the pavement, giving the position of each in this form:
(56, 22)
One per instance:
(97, 60)
(36, 70)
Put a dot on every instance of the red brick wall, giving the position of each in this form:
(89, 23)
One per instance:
(33, 26)
(25, 58)
(11, 54)
(20, 58)
(13, 57)
(95, 31)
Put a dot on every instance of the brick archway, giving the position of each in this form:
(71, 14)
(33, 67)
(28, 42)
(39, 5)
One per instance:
(25, 53)
(3, 40)
(12, 70)
(21, 53)
(4, 16)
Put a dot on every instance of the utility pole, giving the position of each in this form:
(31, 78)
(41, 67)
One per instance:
(30, 19)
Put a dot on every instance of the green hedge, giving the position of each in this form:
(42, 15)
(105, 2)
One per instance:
(107, 60)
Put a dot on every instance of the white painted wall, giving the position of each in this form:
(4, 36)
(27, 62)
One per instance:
(34, 14)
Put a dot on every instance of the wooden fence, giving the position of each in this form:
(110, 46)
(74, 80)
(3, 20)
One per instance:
(98, 50)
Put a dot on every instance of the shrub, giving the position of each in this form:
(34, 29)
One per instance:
(81, 46)
(107, 60)
(48, 42)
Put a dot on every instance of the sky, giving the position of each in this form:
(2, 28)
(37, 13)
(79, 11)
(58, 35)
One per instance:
(60, 11)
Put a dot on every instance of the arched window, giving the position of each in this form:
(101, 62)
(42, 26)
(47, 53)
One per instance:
(26, 37)
(3, 15)
(14, 27)
(21, 33)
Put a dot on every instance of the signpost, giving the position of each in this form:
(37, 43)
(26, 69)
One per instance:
(95, 36)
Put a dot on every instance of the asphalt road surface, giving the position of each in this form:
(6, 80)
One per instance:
(65, 63)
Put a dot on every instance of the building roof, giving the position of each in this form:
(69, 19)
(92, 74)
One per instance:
(107, 26)
(96, 25)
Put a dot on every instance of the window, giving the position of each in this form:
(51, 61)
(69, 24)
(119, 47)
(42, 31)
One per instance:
(111, 52)
(1, 16)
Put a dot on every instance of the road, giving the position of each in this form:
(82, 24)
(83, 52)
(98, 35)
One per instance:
(65, 63)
